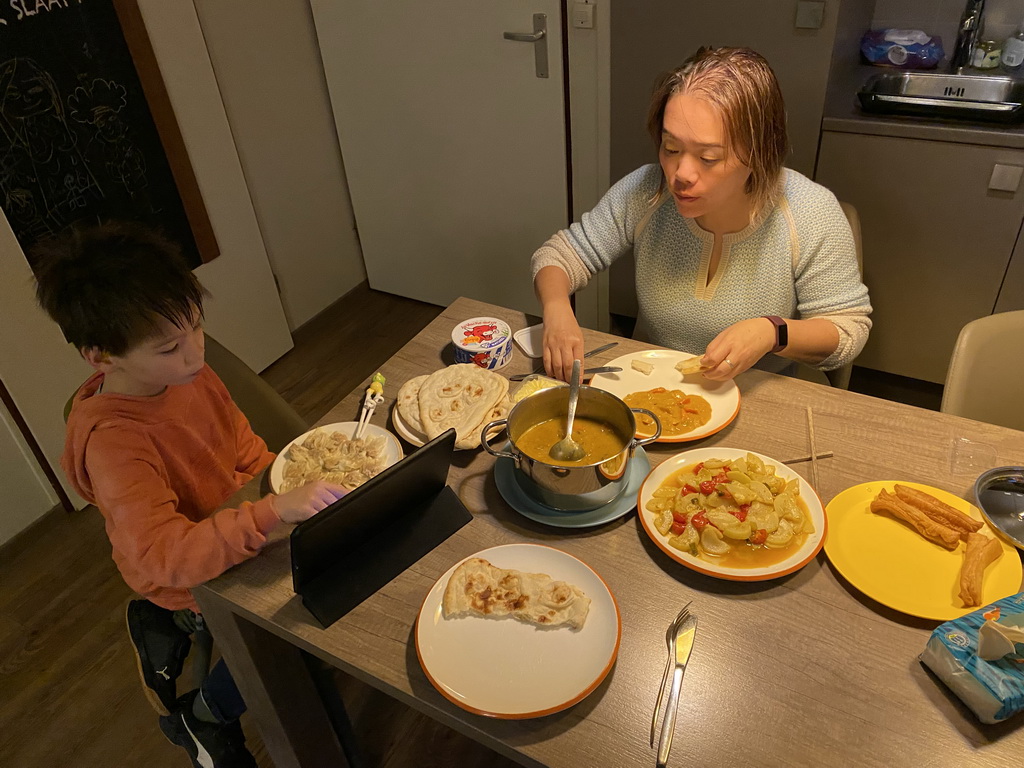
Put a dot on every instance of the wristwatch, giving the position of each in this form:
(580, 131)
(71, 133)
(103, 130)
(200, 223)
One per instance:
(781, 332)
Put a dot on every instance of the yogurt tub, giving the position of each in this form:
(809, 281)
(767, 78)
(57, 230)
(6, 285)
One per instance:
(483, 341)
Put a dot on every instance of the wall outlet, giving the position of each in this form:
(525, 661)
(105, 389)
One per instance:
(810, 14)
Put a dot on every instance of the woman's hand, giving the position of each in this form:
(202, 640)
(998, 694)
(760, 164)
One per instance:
(305, 501)
(563, 341)
(738, 347)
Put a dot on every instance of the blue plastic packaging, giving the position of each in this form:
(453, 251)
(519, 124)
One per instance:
(994, 690)
(901, 48)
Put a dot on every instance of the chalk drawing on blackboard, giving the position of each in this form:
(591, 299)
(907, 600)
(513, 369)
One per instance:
(44, 177)
(99, 106)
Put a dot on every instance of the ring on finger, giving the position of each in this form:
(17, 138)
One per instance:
(730, 363)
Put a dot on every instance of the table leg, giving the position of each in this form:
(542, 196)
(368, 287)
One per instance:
(278, 690)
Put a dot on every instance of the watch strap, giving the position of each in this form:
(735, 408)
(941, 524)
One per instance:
(781, 332)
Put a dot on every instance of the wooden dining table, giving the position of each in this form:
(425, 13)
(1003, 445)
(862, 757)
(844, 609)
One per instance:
(799, 670)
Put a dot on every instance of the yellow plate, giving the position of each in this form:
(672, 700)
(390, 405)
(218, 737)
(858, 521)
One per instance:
(892, 563)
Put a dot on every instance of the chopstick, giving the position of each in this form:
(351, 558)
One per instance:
(802, 459)
(814, 450)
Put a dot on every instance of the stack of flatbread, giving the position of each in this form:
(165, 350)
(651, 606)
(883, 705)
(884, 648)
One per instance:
(478, 588)
(463, 397)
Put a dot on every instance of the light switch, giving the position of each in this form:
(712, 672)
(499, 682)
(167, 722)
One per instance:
(810, 15)
(583, 15)
(1005, 178)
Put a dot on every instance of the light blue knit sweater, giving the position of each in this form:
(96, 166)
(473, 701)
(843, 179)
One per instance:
(797, 260)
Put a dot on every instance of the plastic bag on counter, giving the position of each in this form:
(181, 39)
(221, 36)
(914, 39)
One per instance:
(901, 48)
(993, 689)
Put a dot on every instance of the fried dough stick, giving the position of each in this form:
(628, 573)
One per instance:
(939, 511)
(981, 552)
(931, 530)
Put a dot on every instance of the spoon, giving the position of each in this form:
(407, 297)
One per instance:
(568, 449)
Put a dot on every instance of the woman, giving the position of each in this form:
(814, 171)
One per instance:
(736, 256)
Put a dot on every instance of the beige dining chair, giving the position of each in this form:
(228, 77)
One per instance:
(986, 369)
(269, 414)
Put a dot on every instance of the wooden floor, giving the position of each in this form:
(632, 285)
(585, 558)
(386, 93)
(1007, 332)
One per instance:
(70, 695)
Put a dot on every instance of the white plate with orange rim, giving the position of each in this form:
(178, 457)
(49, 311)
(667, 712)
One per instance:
(790, 562)
(722, 396)
(347, 428)
(506, 668)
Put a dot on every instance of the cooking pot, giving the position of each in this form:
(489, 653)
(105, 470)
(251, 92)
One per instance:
(582, 486)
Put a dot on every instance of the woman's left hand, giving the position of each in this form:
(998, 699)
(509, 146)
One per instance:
(738, 347)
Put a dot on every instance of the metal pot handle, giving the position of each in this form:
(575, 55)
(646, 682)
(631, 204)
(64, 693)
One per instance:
(487, 447)
(657, 428)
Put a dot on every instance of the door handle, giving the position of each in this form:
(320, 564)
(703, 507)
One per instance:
(524, 37)
(538, 38)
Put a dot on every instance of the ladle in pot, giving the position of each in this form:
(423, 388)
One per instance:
(568, 449)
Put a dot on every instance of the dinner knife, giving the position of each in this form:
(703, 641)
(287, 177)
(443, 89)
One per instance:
(684, 644)
(600, 349)
(586, 373)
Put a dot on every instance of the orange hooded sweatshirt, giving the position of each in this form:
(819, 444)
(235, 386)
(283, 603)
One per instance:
(158, 468)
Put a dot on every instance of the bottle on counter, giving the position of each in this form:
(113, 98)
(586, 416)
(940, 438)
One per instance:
(987, 55)
(1013, 51)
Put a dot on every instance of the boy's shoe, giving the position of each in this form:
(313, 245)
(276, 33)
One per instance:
(209, 745)
(160, 650)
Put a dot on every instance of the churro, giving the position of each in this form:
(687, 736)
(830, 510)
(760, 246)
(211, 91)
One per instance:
(939, 511)
(936, 532)
(981, 552)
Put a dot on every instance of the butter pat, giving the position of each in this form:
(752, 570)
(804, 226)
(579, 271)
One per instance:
(977, 658)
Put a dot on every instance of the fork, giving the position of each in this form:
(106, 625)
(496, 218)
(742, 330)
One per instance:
(670, 640)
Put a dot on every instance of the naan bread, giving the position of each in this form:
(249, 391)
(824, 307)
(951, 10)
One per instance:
(479, 588)
(409, 402)
(690, 365)
(460, 397)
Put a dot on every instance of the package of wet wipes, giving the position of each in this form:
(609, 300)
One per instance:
(980, 657)
(901, 48)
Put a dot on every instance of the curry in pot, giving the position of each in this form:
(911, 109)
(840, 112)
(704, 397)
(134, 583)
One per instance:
(599, 441)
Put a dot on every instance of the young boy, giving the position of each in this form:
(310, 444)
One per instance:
(156, 442)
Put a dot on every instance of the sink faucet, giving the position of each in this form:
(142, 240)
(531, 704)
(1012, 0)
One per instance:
(967, 36)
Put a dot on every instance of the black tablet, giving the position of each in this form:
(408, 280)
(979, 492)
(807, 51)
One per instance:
(348, 551)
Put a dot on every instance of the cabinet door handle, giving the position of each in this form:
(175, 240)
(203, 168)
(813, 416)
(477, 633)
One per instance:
(539, 39)
(1005, 178)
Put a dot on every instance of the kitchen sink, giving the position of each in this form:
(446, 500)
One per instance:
(933, 94)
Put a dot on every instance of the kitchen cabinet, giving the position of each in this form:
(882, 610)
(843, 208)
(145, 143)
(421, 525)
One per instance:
(1011, 295)
(937, 240)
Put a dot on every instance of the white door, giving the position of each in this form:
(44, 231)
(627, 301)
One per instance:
(454, 149)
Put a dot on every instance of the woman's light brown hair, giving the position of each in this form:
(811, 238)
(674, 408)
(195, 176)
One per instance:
(741, 85)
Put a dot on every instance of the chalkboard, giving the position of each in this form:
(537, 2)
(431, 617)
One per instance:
(78, 139)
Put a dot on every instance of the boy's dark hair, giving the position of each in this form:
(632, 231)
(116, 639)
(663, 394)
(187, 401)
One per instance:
(107, 285)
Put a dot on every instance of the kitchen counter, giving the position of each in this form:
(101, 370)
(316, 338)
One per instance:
(843, 114)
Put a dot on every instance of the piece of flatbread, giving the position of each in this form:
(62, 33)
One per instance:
(409, 402)
(460, 396)
(476, 587)
(690, 365)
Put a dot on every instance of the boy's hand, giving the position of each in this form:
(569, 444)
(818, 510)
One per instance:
(302, 503)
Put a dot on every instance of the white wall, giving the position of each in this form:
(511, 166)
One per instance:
(25, 493)
(267, 62)
(244, 312)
